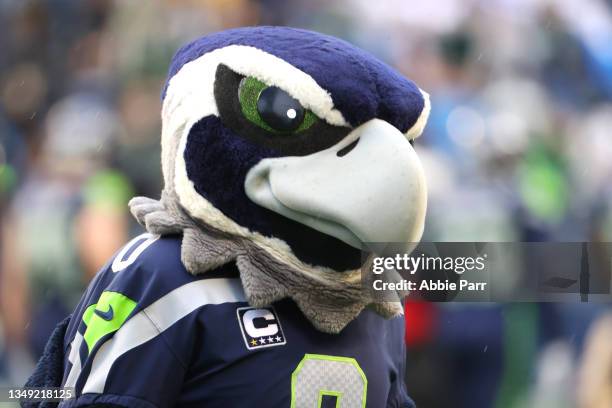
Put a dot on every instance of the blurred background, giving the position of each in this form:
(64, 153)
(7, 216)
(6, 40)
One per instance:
(518, 148)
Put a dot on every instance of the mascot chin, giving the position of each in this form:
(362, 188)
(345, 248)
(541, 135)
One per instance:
(286, 154)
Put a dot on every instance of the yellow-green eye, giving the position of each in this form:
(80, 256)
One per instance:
(273, 109)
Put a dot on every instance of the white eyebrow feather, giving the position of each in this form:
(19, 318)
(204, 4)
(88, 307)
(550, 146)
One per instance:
(190, 91)
(418, 127)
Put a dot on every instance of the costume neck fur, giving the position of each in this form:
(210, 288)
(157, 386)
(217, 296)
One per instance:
(330, 300)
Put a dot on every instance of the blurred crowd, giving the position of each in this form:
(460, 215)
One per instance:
(518, 148)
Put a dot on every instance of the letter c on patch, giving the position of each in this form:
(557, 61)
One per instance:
(249, 325)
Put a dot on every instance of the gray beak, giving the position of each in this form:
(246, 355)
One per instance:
(368, 188)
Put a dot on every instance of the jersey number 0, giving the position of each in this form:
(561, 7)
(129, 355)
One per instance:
(321, 380)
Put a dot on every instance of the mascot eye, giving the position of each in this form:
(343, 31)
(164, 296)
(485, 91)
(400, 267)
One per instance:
(268, 116)
(273, 109)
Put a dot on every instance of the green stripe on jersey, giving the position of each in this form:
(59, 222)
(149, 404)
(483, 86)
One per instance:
(106, 316)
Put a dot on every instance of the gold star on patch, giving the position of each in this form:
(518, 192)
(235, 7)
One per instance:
(253, 342)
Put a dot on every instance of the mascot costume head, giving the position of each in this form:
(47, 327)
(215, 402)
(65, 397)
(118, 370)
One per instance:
(288, 152)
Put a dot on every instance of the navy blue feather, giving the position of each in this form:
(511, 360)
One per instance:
(361, 86)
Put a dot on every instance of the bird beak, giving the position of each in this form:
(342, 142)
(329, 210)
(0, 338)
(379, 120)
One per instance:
(369, 188)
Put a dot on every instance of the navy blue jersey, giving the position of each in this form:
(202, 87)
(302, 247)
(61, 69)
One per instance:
(149, 334)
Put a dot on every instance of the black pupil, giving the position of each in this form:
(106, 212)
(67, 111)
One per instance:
(279, 110)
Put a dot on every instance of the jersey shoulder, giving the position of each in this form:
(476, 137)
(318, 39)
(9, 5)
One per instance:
(148, 267)
(142, 272)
